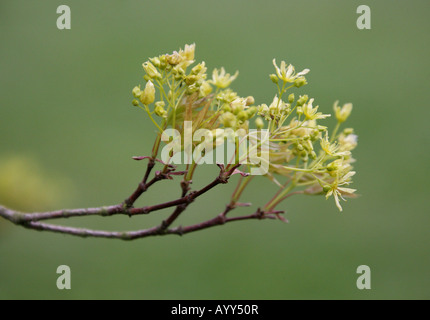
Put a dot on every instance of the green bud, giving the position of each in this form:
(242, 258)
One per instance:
(242, 116)
(300, 82)
(192, 88)
(136, 92)
(299, 111)
(159, 111)
(303, 153)
(147, 78)
(315, 135)
(302, 100)
(313, 155)
(300, 147)
(250, 100)
(155, 61)
(259, 123)
(332, 166)
(291, 98)
(135, 103)
(326, 188)
(274, 78)
(200, 68)
(226, 107)
(150, 70)
(205, 89)
(160, 104)
(228, 119)
(190, 79)
(174, 59)
(251, 111)
(148, 94)
(348, 131)
(163, 62)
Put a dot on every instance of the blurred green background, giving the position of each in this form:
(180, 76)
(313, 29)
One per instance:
(66, 120)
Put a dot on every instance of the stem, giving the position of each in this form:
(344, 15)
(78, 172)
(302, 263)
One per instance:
(336, 128)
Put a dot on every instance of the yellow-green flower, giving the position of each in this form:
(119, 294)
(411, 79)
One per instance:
(311, 113)
(332, 149)
(221, 79)
(347, 142)
(287, 74)
(336, 191)
(188, 52)
(342, 113)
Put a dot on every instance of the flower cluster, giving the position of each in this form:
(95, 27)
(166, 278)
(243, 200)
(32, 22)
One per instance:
(304, 156)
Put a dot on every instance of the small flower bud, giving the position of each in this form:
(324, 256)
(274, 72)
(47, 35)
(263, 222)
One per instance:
(300, 82)
(192, 88)
(135, 103)
(159, 111)
(136, 92)
(326, 188)
(274, 78)
(249, 100)
(313, 155)
(259, 123)
(291, 98)
(160, 104)
(332, 166)
(174, 58)
(200, 68)
(242, 116)
(251, 111)
(348, 131)
(190, 79)
(300, 147)
(302, 100)
(155, 61)
(150, 70)
(205, 89)
(228, 119)
(226, 107)
(163, 62)
(148, 94)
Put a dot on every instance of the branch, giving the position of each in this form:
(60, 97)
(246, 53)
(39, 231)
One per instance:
(123, 207)
(32, 220)
(132, 235)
